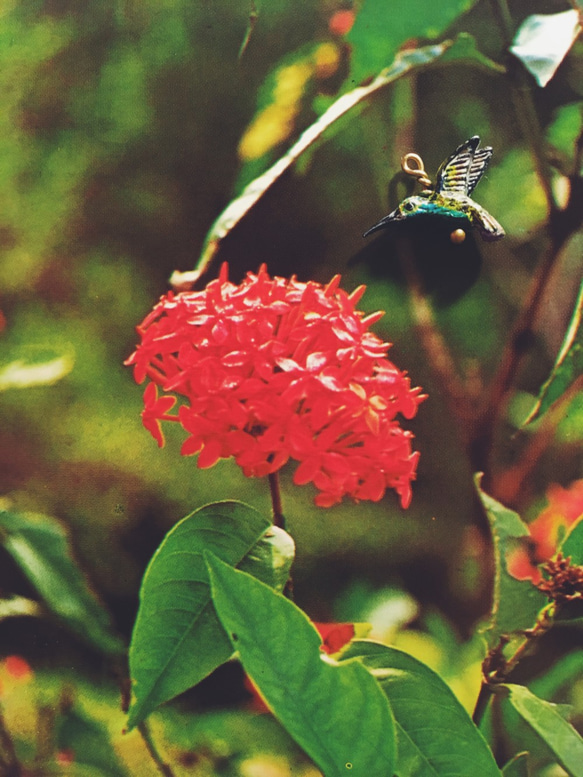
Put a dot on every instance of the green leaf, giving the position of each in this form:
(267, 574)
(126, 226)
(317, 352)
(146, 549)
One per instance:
(40, 546)
(568, 369)
(270, 559)
(19, 606)
(517, 767)
(177, 639)
(89, 742)
(572, 544)
(516, 603)
(336, 713)
(543, 41)
(465, 49)
(381, 29)
(435, 735)
(404, 63)
(566, 127)
(562, 673)
(544, 718)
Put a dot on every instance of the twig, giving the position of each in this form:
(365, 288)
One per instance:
(496, 668)
(146, 735)
(277, 509)
(253, 17)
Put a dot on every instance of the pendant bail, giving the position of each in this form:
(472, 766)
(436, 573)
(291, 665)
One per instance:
(412, 164)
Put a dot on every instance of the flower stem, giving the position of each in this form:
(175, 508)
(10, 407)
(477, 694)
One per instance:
(278, 516)
(146, 735)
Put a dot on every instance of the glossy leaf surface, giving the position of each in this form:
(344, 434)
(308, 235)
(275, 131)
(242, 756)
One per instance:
(557, 733)
(336, 712)
(543, 40)
(568, 369)
(435, 735)
(516, 603)
(178, 639)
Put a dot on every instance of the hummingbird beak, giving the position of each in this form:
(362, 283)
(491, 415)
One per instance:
(385, 221)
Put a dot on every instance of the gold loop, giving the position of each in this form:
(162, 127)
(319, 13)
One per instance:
(418, 171)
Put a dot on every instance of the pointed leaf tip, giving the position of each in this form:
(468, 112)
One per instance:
(336, 713)
(177, 639)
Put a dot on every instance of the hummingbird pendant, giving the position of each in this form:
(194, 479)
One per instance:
(457, 178)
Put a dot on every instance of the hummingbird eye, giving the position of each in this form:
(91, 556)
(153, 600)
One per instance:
(408, 206)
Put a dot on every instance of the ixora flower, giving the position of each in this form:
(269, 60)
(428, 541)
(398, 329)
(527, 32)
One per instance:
(273, 369)
(564, 509)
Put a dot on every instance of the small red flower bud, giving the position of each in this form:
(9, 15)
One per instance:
(563, 511)
(341, 22)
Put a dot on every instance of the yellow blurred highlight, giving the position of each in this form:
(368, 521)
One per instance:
(420, 646)
(327, 60)
(276, 122)
(465, 684)
(265, 766)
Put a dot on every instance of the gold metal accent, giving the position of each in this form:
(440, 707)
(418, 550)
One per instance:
(457, 236)
(412, 164)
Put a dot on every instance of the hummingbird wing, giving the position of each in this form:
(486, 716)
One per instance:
(460, 173)
(478, 167)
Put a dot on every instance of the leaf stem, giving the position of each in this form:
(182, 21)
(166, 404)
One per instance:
(496, 668)
(277, 508)
(146, 735)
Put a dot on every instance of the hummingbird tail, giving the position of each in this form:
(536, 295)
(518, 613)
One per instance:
(489, 228)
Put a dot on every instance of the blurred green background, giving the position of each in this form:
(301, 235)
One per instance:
(126, 127)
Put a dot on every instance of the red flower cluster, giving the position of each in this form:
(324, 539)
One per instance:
(274, 369)
(564, 509)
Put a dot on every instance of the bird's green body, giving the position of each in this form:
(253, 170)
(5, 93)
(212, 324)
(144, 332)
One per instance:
(456, 179)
